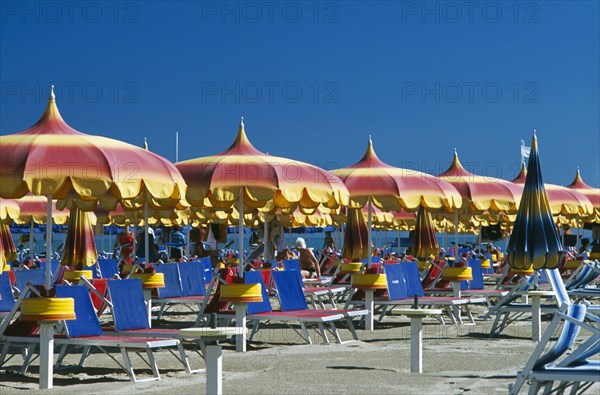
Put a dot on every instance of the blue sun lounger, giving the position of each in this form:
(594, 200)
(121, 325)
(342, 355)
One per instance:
(577, 370)
(184, 284)
(296, 311)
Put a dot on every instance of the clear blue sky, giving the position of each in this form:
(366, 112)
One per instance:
(313, 80)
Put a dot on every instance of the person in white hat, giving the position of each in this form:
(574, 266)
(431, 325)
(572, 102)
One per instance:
(309, 264)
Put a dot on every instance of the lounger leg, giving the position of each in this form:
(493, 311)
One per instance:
(61, 356)
(305, 333)
(5, 348)
(351, 328)
(536, 318)
(184, 358)
(254, 329)
(84, 354)
(335, 331)
(128, 366)
(332, 301)
(323, 333)
(534, 387)
(153, 365)
(29, 350)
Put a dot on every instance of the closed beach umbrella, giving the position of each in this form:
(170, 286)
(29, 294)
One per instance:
(52, 159)
(372, 181)
(80, 246)
(8, 249)
(534, 239)
(424, 240)
(356, 237)
(243, 176)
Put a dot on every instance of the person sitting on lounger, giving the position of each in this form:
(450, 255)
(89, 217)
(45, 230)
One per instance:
(309, 264)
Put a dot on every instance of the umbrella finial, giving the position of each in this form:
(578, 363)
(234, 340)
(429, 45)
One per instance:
(241, 122)
(534, 133)
(52, 95)
(145, 143)
(370, 140)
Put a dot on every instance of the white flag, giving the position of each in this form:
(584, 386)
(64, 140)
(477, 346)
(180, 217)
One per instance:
(524, 150)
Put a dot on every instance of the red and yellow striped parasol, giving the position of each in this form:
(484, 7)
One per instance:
(563, 201)
(392, 188)
(244, 176)
(54, 160)
(356, 237)
(480, 194)
(593, 194)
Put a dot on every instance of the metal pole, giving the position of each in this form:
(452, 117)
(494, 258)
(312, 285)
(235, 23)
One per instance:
(48, 242)
(146, 238)
(31, 239)
(370, 224)
(455, 233)
(241, 230)
(187, 240)
(268, 248)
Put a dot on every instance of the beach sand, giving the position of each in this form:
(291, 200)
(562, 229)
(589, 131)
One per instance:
(456, 360)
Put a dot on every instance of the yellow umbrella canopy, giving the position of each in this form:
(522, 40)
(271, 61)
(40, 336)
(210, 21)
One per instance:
(34, 209)
(563, 201)
(593, 194)
(245, 177)
(392, 188)
(481, 193)
(9, 210)
(80, 246)
(53, 159)
(260, 178)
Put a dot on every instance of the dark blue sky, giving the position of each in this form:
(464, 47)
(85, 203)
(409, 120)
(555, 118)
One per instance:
(314, 79)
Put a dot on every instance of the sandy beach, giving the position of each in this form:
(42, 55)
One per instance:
(456, 360)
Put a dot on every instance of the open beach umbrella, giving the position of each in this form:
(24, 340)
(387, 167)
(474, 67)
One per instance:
(480, 194)
(52, 159)
(534, 239)
(80, 246)
(593, 194)
(372, 181)
(356, 236)
(243, 176)
(562, 200)
(424, 240)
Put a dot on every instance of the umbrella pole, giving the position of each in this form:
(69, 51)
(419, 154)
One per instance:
(241, 231)
(399, 240)
(268, 249)
(31, 244)
(187, 239)
(48, 241)
(370, 224)
(479, 245)
(577, 219)
(146, 238)
(455, 233)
